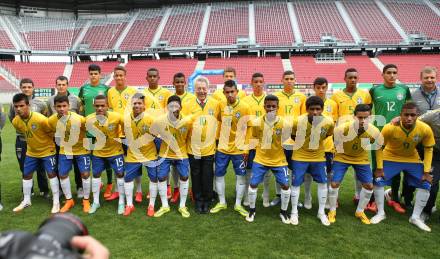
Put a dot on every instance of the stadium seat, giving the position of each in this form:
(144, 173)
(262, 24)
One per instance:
(5, 42)
(103, 34)
(42, 73)
(6, 87)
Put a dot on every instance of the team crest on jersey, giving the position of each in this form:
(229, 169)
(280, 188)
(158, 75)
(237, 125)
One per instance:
(329, 108)
(33, 126)
(211, 112)
(417, 138)
(144, 128)
(111, 126)
(126, 96)
(400, 96)
(237, 115)
(296, 100)
(324, 131)
(160, 98)
(359, 100)
(182, 130)
(278, 132)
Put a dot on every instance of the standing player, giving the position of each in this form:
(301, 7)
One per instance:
(310, 131)
(69, 128)
(173, 129)
(388, 99)
(229, 73)
(353, 139)
(269, 156)
(106, 127)
(27, 87)
(400, 155)
(2, 124)
(87, 94)
(231, 112)
(347, 99)
(40, 149)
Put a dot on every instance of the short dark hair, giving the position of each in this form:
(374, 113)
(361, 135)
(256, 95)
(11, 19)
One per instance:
(120, 68)
(61, 99)
(94, 67)
(100, 97)
(229, 69)
(174, 98)
(153, 69)
(388, 66)
(271, 97)
(362, 108)
(288, 73)
(139, 96)
(314, 100)
(230, 83)
(62, 78)
(258, 74)
(178, 75)
(26, 81)
(409, 105)
(350, 70)
(20, 97)
(320, 81)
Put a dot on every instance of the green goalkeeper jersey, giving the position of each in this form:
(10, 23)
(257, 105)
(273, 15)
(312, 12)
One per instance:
(87, 94)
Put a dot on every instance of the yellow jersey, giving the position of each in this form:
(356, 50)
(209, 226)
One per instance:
(140, 141)
(187, 99)
(269, 151)
(256, 104)
(174, 136)
(204, 127)
(400, 144)
(347, 102)
(330, 110)
(309, 139)
(220, 96)
(117, 100)
(38, 134)
(355, 149)
(71, 131)
(161, 95)
(233, 137)
(107, 130)
(291, 105)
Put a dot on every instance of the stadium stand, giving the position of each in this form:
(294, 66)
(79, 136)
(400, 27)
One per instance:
(5, 42)
(80, 71)
(183, 25)
(307, 69)
(103, 34)
(272, 24)
(371, 23)
(42, 73)
(5, 86)
(317, 18)
(423, 20)
(141, 33)
(227, 22)
(409, 65)
(271, 67)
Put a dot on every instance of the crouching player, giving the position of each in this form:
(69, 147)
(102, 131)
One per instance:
(106, 127)
(400, 155)
(353, 140)
(70, 131)
(141, 151)
(269, 156)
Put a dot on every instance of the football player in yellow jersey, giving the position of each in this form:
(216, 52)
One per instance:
(256, 104)
(141, 151)
(229, 73)
(106, 127)
(69, 128)
(354, 139)
(201, 147)
(347, 99)
(400, 155)
(158, 92)
(234, 117)
(309, 132)
(173, 129)
(40, 149)
(268, 131)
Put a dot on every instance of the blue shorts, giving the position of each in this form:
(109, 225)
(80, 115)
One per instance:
(316, 169)
(222, 162)
(133, 170)
(65, 163)
(31, 164)
(258, 171)
(363, 172)
(329, 161)
(288, 154)
(157, 142)
(251, 158)
(414, 172)
(163, 170)
(116, 162)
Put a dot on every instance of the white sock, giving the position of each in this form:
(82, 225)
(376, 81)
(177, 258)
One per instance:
(333, 197)
(120, 183)
(252, 194)
(220, 186)
(240, 188)
(65, 186)
(175, 175)
(322, 197)
(308, 186)
(266, 186)
(285, 196)
(153, 193)
(357, 187)
(86, 187)
(183, 189)
(248, 180)
(162, 186)
(139, 184)
(96, 183)
(364, 198)
(55, 187)
(422, 197)
(294, 197)
(379, 198)
(277, 188)
(128, 188)
(27, 190)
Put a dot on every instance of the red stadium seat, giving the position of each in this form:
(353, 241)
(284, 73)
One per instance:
(42, 73)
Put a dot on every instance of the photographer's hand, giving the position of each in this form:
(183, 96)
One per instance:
(93, 249)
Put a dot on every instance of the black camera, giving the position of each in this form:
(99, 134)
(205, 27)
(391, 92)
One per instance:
(52, 239)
